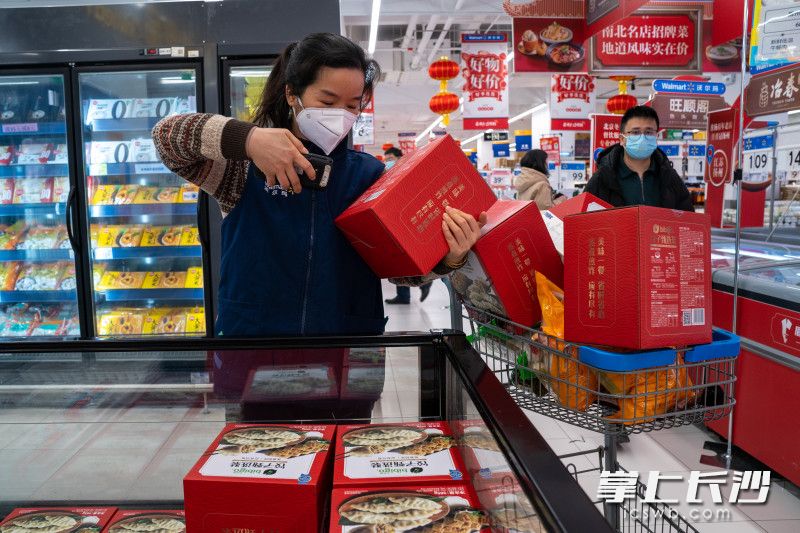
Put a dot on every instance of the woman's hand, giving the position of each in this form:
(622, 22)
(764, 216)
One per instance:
(277, 153)
(461, 231)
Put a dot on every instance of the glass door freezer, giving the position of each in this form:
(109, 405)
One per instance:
(146, 254)
(38, 282)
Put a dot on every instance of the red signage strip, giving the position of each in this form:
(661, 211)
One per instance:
(568, 124)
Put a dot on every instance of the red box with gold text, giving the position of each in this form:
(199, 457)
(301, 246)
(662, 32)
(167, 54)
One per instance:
(384, 454)
(637, 277)
(407, 507)
(84, 519)
(396, 225)
(499, 276)
(554, 217)
(261, 477)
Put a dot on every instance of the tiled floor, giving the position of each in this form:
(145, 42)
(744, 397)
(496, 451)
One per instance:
(142, 453)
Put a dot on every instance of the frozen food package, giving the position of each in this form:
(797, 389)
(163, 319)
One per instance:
(33, 154)
(150, 235)
(66, 278)
(195, 320)
(130, 236)
(125, 194)
(170, 236)
(184, 105)
(109, 109)
(104, 194)
(121, 322)
(112, 280)
(6, 155)
(190, 236)
(146, 195)
(9, 271)
(98, 270)
(189, 193)
(153, 107)
(156, 521)
(167, 195)
(60, 156)
(57, 519)
(38, 277)
(60, 189)
(165, 322)
(164, 280)
(194, 278)
(33, 190)
(62, 240)
(107, 236)
(41, 238)
(10, 235)
(109, 152)
(144, 150)
(6, 190)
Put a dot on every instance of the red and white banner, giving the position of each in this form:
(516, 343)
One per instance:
(600, 13)
(485, 90)
(551, 145)
(407, 142)
(572, 98)
(605, 133)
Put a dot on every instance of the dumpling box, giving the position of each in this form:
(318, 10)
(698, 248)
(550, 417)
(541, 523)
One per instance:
(406, 507)
(261, 478)
(637, 277)
(84, 519)
(483, 459)
(554, 217)
(173, 521)
(396, 225)
(499, 276)
(363, 381)
(297, 392)
(422, 453)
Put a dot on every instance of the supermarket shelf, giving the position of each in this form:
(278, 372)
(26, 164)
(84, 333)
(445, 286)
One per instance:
(123, 124)
(34, 128)
(129, 210)
(37, 296)
(57, 254)
(142, 252)
(16, 210)
(127, 169)
(33, 171)
(133, 295)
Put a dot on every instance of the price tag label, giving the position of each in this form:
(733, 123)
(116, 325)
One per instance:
(758, 161)
(573, 171)
(100, 169)
(788, 158)
(696, 166)
(102, 253)
(151, 168)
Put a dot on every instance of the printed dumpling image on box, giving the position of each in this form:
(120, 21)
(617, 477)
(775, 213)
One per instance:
(260, 477)
(57, 520)
(451, 508)
(396, 225)
(155, 521)
(417, 452)
(499, 276)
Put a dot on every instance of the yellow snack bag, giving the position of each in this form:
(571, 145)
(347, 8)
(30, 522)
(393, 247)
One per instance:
(125, 194)
(196, 320)
(152, 319)
(121, 280)
(164, 280)
(107, 236)
(104, 194)
(146, 195)
(194, 278)
(150, 235)
(574, 382)
(190, 236)
(121, 322)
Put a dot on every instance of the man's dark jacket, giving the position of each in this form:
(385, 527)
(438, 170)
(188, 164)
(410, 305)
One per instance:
(605, 182)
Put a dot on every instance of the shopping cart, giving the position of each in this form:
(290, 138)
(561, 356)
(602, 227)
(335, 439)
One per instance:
(613, 394)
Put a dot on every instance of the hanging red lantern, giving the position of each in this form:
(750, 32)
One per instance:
(444, 102)
(386, 146)
(623, 101)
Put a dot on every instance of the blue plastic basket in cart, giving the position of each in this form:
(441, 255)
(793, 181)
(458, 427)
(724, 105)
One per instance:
(611, 393)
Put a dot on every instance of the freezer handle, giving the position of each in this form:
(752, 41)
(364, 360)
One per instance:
(70, 230)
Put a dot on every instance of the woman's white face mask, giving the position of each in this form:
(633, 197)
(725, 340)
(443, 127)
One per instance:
(324, 126)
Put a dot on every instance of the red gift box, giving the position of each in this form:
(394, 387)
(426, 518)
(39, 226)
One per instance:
(554, 217)
(499, 276)
(637, 277)
(260, 477)
(396, 225)
(417, 452)
(432, 508)
(71, 518)
(139, 520)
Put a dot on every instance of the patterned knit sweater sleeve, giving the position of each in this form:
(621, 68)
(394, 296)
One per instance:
(208, 151)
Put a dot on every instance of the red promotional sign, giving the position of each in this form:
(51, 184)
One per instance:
(407, 142)
(551, 145)
(723, 128)
(485, 73)
(648, 42)
(601, 13)
(549, 44)
(569, 124)
(605, 133)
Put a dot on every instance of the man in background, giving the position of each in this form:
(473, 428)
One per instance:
(403, 297)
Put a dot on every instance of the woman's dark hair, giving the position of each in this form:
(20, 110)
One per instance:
(298, 67)
(535, 159)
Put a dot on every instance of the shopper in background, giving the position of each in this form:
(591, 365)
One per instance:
(635, 171)
(286, 268)
(532, 182)
(403, 296)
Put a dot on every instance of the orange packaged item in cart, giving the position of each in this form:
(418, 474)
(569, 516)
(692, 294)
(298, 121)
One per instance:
(573, 381)
(656, 392)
